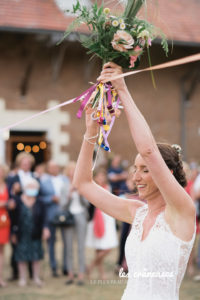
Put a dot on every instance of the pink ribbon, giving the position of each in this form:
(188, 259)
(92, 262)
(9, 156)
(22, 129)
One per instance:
(37, 115)
(87, 94)
(108, 86)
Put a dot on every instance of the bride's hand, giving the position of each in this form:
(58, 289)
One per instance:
(110, 70)
(91, 125)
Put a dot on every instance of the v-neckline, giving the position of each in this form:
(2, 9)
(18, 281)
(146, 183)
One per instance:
(142, 227)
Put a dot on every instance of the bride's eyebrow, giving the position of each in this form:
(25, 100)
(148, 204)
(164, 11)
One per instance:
(142, 166)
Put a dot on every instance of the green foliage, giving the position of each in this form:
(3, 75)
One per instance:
(165, 45)
(72, 27)
(132, 8)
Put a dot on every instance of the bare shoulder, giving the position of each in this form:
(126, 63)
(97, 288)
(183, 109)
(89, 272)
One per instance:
(133, 206)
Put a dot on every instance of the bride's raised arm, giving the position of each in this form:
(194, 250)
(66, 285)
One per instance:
(177, 200)
(121, 209)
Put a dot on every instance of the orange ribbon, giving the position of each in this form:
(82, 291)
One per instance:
(173, 63)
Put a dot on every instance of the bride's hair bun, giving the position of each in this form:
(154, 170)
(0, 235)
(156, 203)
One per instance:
(172, 157)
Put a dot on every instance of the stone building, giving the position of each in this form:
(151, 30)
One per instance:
(36, 74)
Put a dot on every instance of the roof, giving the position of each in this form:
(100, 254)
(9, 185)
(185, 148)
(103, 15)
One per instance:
(32, 14)
(178, 19)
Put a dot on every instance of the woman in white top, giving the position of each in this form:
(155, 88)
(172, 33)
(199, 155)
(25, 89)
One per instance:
(163, 230)
(105, 240)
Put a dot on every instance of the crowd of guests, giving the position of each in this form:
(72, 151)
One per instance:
(31, 197)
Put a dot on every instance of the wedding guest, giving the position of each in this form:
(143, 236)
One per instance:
(196, 193)
(30, 228)
(12, 171)
(77, 205)
(40, 171)
(129, 191)
(189, 190)
(52, 189)
(101, 232)
(24, 163)
(4, 218)
(16, 182)
(116, 175)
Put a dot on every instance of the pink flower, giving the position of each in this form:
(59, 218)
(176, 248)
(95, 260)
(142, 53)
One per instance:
(142, 42)
(122, 41)
(149, 42)
(132, 61)
(137, 49)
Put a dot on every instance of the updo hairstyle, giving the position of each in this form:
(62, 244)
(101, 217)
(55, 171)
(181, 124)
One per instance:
(172, 157)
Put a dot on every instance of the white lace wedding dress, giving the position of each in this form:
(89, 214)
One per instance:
(157, 264)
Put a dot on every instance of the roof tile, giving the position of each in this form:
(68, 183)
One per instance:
(178, 19)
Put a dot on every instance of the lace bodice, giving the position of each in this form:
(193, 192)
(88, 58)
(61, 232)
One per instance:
(157, 264)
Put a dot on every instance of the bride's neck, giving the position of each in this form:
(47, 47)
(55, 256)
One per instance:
(155, 205)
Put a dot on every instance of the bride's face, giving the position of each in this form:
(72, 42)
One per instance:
(146, 187)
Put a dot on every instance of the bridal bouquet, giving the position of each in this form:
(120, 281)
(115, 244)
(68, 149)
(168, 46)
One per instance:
(120, 38)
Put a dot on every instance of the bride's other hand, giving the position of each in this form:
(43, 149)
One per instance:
(110, 70)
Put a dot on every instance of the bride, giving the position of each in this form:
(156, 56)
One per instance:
(163, 230)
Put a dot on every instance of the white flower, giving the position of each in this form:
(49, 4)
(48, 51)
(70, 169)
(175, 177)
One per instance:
(144, 34)
(139, 27)
(121, 21)
(122, 26)
(106, 10)
(115, 23)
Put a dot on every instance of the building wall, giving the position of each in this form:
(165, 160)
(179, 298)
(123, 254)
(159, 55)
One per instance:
(45, 72)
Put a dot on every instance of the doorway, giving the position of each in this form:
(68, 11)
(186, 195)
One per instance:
(34, 142)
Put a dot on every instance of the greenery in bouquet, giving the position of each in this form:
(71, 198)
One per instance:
(118, 38)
